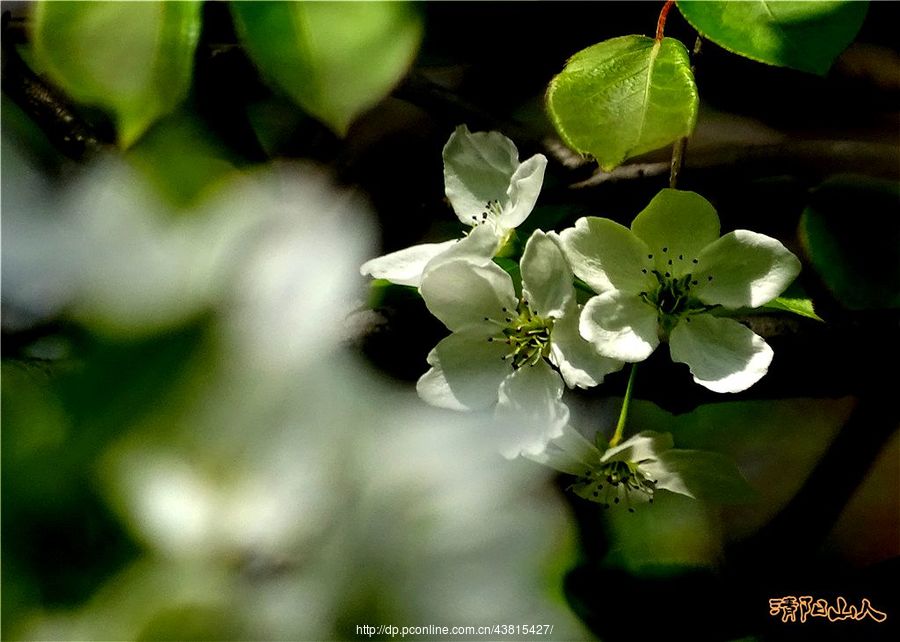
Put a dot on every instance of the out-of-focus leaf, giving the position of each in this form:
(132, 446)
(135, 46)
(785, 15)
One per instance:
(333, 59)
(802, 35)
(775, 444)
(707, 475)
(851, 233)
(133, 59)
(800, 306)
(181, 158)
(623, 97)
(383, 292)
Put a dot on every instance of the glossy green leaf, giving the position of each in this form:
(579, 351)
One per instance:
(623, 97)
(334, 59)
(133, 59)
(851, 233)
(805, 35)
(799, 306)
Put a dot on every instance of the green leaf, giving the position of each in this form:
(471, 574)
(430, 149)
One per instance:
(851, 232)
(801, 307)
(806, 35)
(133, 59)
(182, 158)
(705, 475)
(623, 97)
(333, 59)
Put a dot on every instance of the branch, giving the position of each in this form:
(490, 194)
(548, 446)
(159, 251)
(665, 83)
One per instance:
(45, 105)
(812, 159)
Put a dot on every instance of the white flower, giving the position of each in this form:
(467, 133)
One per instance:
(490, 191)
(502, 346)
(628, 473)
(663, 277)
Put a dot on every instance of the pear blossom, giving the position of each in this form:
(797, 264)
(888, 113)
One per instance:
(663, 278)
(631, 472)
(502, 346)
(489, 190)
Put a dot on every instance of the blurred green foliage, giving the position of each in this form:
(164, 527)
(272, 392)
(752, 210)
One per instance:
(135, 60)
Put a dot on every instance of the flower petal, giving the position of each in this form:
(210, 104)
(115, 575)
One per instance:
(578, 362)
(723, 355)
(546, 276)
(676, 226)
(530, 404)
(744, 269)
(620, 326)
(477, 168)
(709, 476)
(570, 452)
(465, 373)
(608, 256)
(478, 248)
(405, 267)
(640, 447)
(524, 188)
(461, 294)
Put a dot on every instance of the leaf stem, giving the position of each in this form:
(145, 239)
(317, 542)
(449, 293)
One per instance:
(678, 150)
(661, 23)
(623, 414)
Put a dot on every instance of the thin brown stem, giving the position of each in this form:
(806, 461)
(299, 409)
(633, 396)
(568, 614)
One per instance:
(661, 23)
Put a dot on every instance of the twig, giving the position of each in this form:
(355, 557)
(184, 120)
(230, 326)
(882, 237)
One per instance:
(817, 158)
(49, 109)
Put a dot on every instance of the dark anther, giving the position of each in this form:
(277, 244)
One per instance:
(616, 500)
(488, 319)
(670, 261)
(630, 510)
(709, 278)
(649, 256)
(681, 257)
(651, 500)
(695, 282)
(696, 261)
(596, 494)
(490, 339)
(668, 275)
(504, 309)
(644, 270)
(665, 249)
(508, 320)
(688, 319)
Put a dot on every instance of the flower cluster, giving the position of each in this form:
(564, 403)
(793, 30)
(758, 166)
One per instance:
(516, 340)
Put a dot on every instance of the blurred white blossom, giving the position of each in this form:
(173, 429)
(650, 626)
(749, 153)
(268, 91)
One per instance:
(288, 492)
